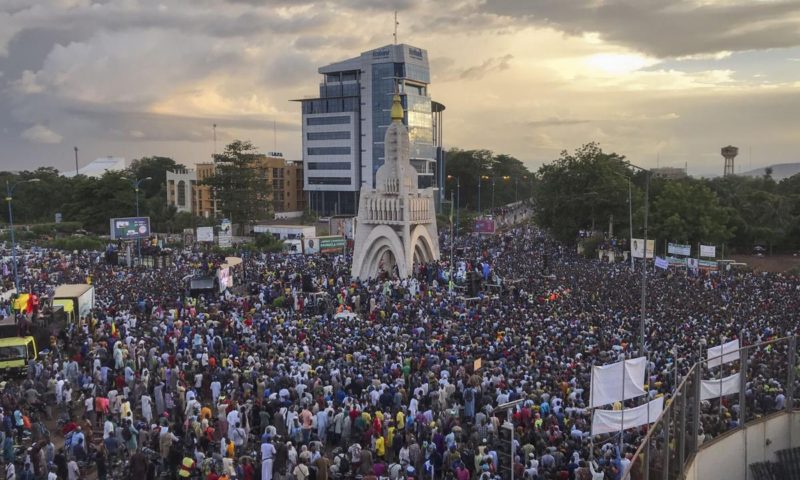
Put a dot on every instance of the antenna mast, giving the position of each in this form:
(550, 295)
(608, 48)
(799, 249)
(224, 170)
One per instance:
(215, 139)
(396, 23)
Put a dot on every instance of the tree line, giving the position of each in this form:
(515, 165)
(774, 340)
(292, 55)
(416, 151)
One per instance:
(481, 177)
(588, 190)
(241, 188)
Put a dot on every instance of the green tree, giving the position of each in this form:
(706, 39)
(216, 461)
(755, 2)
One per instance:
(239, 185)
(156, 168)
(689, 211)
(512, 180)
(584, 190)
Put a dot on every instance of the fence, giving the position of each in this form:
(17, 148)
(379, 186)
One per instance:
(766, 385)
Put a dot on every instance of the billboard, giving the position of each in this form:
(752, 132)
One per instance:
(225, 237)
(679, 249)
(484, 225)
(332, 244)
(637, 248)
(342, 226)
(709, 251)
(129, 228)
(224, 278)
(310, 245)
(205, 234)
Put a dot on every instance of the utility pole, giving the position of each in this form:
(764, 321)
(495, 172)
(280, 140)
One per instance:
(76, 161)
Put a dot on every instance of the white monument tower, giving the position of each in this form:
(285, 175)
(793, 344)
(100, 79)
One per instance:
(396, 220)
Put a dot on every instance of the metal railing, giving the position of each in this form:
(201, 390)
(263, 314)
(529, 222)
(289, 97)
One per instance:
(767, 385)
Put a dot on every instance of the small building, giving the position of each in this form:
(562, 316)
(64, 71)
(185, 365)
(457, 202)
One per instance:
(669, 173)
(283, 181)
(287, 232)
(98, 167)
(186, 192)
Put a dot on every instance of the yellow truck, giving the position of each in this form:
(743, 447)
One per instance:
(15, 353)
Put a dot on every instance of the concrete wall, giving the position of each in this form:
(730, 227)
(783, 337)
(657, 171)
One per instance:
(729, 456)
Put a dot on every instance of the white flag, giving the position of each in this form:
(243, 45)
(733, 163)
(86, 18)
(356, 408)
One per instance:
(608, 421)
(713, 388)
(708, 251)
(720, 354)
(607, 384)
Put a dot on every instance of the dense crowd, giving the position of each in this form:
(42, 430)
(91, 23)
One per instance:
(300, 372)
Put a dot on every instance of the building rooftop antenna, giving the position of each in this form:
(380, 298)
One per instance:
(396, 23)
(215, 139)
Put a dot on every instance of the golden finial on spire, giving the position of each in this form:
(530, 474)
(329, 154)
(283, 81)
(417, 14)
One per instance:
(397, 108)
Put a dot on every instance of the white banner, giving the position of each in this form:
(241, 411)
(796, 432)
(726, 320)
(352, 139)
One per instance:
(610, 421)
(637, 248)
(607, 384)
(719, 354)
(709, 251)
(714, 388)
(662, 263)
(679, 249)
(205, 234)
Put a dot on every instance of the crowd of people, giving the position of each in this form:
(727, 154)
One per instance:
(300, 372)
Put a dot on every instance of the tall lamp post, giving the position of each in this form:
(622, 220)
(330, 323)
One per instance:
(480, 180)
(135, 183)
(458, 199)
(630, 219)
(9, 195)
(644, 263)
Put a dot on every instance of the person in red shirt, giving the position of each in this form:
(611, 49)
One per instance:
(212, 475)
(248, 472)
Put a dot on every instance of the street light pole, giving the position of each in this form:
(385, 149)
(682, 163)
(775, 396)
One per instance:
(493, 194)
(458, 198)
(644, 264)
(480, 178)
(136, 183)
(9, 195)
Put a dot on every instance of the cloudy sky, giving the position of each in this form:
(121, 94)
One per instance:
(664, 82)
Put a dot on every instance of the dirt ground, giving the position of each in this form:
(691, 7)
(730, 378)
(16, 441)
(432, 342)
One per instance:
(770, 263)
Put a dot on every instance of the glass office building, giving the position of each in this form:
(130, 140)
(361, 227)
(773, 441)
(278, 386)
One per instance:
(343, 128)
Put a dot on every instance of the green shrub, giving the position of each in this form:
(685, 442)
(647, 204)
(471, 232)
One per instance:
(76, 243)
(266, 242)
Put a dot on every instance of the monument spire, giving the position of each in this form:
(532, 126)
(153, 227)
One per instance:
(397, 108)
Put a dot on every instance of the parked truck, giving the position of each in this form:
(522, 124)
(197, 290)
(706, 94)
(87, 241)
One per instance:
(77, 300)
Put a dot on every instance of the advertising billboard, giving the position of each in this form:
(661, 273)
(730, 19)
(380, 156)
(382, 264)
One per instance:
(679, 249)
(310, 245)
(332, 244)
(484, 225)
(637, 248)
(342, 226)
(225, 237)
(205, 234)
(130, 228)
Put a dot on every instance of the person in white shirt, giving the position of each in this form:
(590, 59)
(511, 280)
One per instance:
(73, 472)
(268, 453)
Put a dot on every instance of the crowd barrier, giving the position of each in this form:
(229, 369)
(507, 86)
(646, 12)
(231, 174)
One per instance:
(766, 385)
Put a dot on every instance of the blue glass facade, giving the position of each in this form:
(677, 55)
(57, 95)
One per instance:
(363, 86)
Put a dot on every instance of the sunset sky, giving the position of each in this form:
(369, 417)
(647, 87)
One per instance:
(659, 81)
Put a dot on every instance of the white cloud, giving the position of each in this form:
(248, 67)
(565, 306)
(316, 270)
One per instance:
(41, 134)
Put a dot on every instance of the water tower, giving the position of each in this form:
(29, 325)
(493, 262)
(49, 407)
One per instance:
(729, 153)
